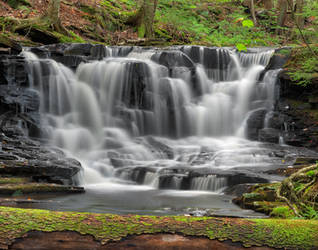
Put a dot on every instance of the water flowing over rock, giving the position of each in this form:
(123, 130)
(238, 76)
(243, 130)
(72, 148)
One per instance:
(182, 118)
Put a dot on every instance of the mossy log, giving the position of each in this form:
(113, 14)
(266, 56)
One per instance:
(108, 229)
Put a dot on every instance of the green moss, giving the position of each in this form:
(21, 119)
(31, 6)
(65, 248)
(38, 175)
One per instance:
(11, 180)
(282, 212)
(88, 9)
(19, 189)
(105, 227)
(141, 31)
(251, 196)
(73, 38)
(16, 3)
(284, 52)
(312, 173)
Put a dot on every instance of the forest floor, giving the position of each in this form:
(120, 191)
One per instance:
(206, 22)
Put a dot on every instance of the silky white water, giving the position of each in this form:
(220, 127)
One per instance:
(135, 124)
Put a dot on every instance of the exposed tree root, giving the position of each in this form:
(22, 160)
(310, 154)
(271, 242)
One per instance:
(286, 190)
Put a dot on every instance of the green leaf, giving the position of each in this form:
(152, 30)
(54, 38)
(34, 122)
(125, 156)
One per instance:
(240, 47)
(248, 23)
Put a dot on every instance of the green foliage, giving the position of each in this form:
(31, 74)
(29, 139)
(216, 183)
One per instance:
(311, 14)
(299, 186)
(309, 212)
(311, 173)
(17, 193)
(303, 65)
(17, 3)
(282, 212)
(206, 22)
(248, 23)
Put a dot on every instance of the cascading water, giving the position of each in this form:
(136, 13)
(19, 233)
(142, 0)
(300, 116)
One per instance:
(145, 119)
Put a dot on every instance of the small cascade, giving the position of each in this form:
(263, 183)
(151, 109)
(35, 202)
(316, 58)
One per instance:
(153, 117)
(255, 57)
(268, 116)
(281, 141)
(209, 183)
(151, 179)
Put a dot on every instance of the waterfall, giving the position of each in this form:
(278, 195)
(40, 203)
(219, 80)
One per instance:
(192, 101)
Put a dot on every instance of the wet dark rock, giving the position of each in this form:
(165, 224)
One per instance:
(21, 156)
(41, 52)
(279, 58)
(216, 58)
(172, 59)
(118, 162)
(70, 61)
(136, 82)
(10, 46)
(110, 143)
(160, 147)
(22, 99)
(313, 101)
(255, 122)
(98, 51)
(278, 120)
(14, 70)
(38, 35)
(269, 135)
(123, 51)
(194, 52)
(237, 190)
(78, 49)
(7, 156)
(60, 171)
(55, 49)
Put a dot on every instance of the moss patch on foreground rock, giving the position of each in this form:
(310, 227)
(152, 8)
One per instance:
(290, 234)
(30, 188)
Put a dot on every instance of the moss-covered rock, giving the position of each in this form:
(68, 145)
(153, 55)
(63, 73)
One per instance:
(19, 189)
(295, 196)
(13, 180)
(7, 42)
(261, 198)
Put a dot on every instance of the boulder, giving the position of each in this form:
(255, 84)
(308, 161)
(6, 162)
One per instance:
(279, 58)
(78, 49)
(269, 135)
(160, 147)
(172, 59)
(255, 122)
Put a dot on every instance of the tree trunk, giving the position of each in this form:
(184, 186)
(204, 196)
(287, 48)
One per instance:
(268, 4)
(282, 8)
(299, 13)
(145, 18)
(53, 14)
(253, 12)
(53, 11)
